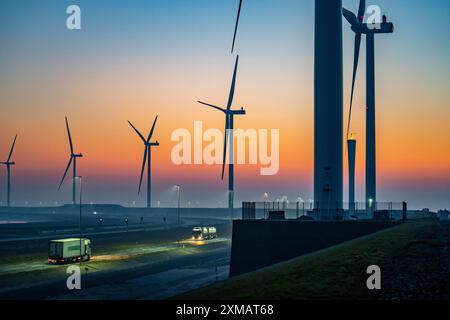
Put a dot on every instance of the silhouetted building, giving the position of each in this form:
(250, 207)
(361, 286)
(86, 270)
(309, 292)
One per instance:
(444, 215)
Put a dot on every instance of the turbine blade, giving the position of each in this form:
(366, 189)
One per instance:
(12, 148)
(139, 134)
(143, 168)
(65, 173)
(351, 18)
(233, 85)
(361, 10)
(237, 23)
(70, 137)
(227, 124)
(212, 106)
(355, 69)
(153, 128)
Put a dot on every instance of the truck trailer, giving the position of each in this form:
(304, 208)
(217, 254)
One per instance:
(204, 233)
(68, 250)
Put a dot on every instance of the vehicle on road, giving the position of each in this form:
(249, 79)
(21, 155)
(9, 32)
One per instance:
(68, 250)
(204, 233)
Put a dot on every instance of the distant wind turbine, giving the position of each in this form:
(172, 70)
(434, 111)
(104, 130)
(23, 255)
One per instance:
(236, 26)
(229, 127)
(8, 165)
(359, 27)
(73, 159)
(147, 158)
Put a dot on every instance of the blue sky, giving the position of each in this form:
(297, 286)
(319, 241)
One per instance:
(169, 53)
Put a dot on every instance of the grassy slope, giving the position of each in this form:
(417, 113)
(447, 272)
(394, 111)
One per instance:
(335, 273)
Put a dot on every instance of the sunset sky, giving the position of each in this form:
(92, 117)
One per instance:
(135, 59)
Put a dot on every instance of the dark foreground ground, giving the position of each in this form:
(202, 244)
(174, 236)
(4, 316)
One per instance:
(157, 260)
(414, 259)
(421, 270)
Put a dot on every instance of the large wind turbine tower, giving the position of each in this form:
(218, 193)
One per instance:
(328, 108)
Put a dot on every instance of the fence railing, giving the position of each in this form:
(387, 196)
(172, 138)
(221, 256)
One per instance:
(298, 209)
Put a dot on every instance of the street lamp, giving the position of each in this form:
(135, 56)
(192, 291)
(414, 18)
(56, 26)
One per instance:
(79, 178)
(178, 195)
(266, 204)
(300, 200)
(371, 206)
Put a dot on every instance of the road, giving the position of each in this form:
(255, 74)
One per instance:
(89, 232)
(147, 262)
(155, 280)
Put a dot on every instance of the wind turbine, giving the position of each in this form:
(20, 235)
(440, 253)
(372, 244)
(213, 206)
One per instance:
(8, 165)
(147, 158)
(236, 26)
(73, 159)
(229, 127)
(360, 28)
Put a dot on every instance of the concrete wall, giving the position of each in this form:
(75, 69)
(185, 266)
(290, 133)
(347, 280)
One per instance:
(260, 243)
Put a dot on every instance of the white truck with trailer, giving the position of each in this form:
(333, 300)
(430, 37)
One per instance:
(68, 250)
(204, 233)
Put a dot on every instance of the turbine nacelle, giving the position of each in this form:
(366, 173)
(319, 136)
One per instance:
(358, 26)
(152, 144)
(8, 163)
(226, 111)
(385, 27)
(238, 112)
